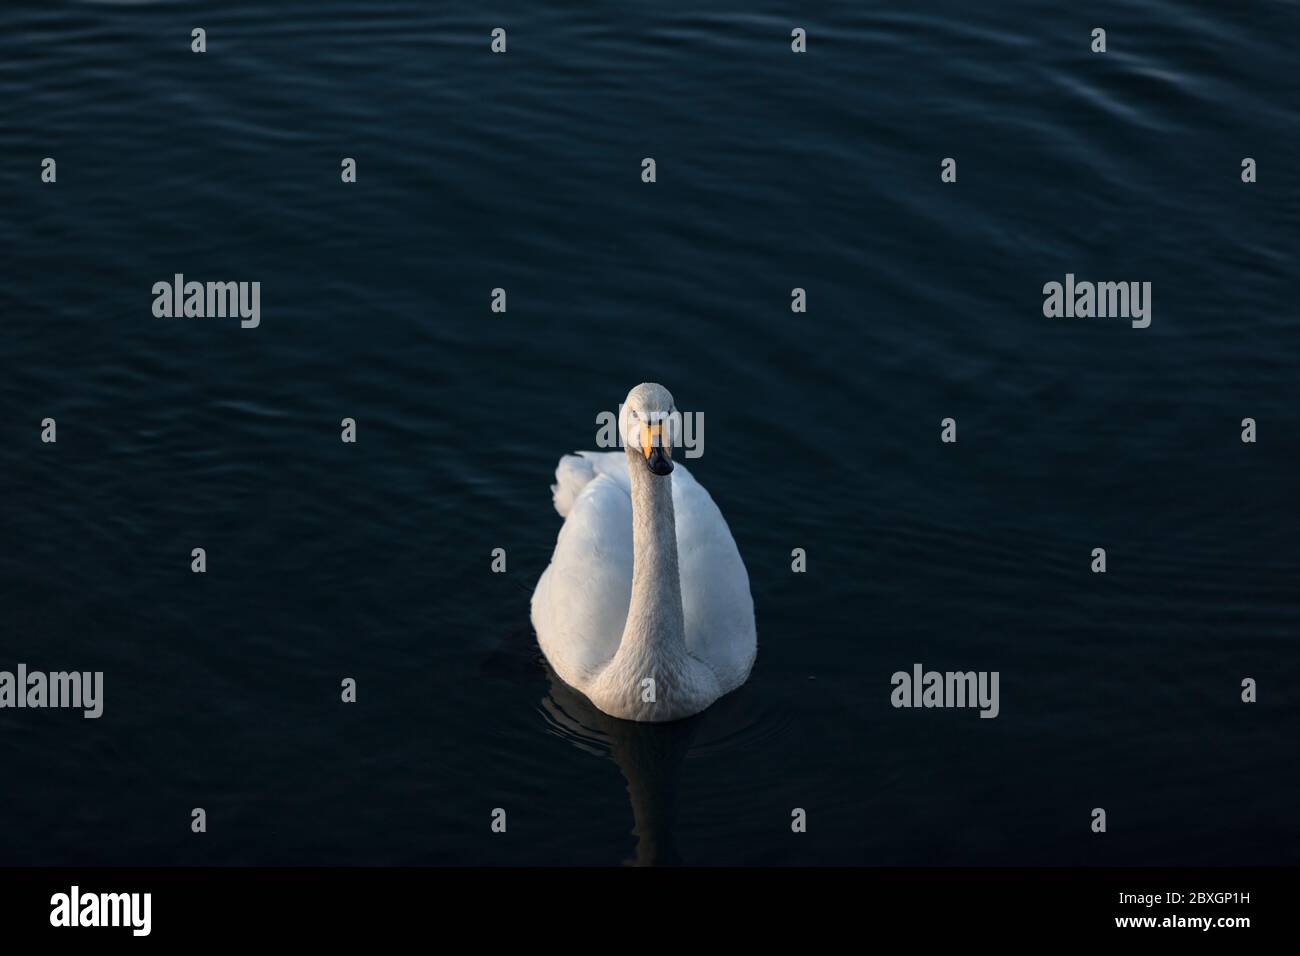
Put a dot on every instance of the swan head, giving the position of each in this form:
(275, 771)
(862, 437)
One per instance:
(649, 422)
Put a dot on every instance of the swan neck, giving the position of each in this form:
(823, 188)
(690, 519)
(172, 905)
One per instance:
(655, 624)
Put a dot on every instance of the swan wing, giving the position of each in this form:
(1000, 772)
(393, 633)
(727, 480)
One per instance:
(580, 605)
(716, 600)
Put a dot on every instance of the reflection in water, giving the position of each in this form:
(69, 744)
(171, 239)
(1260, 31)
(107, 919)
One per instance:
(649, 755)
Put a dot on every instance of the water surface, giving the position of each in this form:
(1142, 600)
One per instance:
(775, 171)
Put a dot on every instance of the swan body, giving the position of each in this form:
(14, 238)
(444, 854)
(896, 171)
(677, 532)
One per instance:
(645, 607)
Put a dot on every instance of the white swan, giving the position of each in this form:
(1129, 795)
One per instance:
(613, 611)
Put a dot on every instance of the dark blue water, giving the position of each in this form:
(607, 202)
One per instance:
(775, 170)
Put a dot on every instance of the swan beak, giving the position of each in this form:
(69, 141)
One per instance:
(652, 446)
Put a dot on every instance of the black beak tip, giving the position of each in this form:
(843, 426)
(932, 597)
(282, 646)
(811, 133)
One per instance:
(661, 465)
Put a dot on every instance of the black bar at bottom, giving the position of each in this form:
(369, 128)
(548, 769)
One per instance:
(587, 906)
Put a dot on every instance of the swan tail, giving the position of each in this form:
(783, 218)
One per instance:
(571, 475)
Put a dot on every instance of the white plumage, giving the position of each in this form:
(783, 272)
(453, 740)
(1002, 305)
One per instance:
(604, 612)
